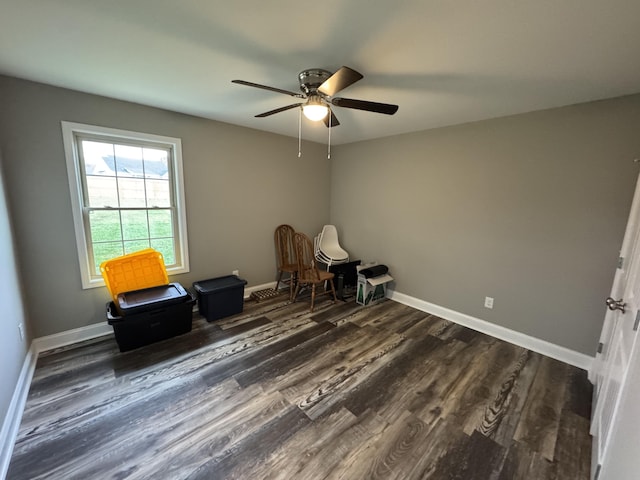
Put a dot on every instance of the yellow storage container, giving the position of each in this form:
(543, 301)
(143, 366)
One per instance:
(135, 271)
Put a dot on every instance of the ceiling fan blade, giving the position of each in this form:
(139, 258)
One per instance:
(376, 107)
(340, 80)
(334, 120)
(265, 87)
(278, 110)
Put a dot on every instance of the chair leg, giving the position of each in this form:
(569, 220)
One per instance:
(333, 290)
(295, 295)
(279, 279)
(293, 277)
(313, 295)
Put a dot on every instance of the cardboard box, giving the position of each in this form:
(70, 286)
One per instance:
(371, 290)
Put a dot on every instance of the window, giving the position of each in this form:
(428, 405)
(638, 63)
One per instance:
(127, 195)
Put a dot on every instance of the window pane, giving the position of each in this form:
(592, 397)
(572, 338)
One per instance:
(158, 193)
(165, 246)
(105, 251)
(129, 161)
(135, 246)
(134, 225)
(160, 224)
(105, 226)
(98, 158)
(123, 187)
(131, 192)
(156, 163)
(102, 192)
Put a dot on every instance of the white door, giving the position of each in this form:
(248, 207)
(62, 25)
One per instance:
(618, 337)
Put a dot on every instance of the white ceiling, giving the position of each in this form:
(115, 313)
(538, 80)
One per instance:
(443, 62)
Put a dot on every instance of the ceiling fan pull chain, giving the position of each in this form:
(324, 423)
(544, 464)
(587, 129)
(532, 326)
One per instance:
(318, 92)
(329, 143)
(300, 132)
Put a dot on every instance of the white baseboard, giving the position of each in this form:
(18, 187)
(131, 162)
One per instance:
(96, 330)
(12, 419)
(543, 347)
(70, 337)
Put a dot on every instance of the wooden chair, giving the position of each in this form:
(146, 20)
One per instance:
(286, 255)
(308, 272)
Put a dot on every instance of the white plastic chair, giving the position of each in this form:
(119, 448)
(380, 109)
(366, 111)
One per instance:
(328, 249)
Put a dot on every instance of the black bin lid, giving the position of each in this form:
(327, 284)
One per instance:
(160, 295)
(218, 284)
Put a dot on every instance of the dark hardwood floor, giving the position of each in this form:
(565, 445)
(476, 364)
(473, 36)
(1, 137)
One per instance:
(381, 392)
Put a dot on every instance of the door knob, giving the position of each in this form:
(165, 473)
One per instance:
(615, 304)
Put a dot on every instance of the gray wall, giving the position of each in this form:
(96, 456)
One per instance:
(528, 209)
(240, 184)
(13, 349)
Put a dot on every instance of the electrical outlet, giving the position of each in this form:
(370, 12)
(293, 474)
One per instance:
(488, 302)
(236, 273)
(21, 330)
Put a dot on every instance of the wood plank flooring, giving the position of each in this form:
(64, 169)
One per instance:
(381, 392)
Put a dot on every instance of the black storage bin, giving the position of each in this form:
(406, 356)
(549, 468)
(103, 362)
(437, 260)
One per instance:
(220, 297)
(154, 297)
(151, 325)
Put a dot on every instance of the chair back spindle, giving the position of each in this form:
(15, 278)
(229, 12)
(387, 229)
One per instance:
(285, 255)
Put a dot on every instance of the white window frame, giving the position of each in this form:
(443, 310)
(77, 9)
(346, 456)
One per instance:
(70, 131)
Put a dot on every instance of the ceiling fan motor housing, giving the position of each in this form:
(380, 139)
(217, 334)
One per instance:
(319, 87)
(311, 79)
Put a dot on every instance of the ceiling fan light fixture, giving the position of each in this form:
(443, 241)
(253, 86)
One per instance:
(315, 109)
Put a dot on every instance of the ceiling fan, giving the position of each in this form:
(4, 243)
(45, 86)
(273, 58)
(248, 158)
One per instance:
(318, 88)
